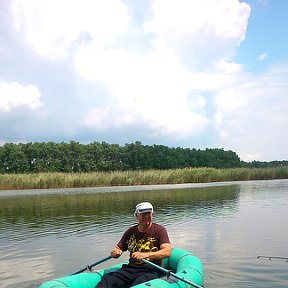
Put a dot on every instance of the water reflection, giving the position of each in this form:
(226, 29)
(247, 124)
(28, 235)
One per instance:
(36, 216)
(44, 236)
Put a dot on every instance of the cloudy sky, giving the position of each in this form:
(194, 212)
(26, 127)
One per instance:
(181, 73)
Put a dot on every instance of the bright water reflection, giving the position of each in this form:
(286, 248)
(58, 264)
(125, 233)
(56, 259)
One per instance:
(49, 235)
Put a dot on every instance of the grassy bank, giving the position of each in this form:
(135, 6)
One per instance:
(150, 177)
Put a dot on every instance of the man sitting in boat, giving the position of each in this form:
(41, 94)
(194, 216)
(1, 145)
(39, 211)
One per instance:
(145, 240)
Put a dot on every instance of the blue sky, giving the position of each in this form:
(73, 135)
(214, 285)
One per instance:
(181, 73)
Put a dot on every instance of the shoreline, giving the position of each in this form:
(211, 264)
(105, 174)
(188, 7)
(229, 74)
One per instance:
(119, 189)
(116, 179)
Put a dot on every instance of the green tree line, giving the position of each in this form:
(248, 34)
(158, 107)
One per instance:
(72, 156)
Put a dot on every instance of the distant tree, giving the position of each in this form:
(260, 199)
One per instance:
(14, 159)
(76, 157)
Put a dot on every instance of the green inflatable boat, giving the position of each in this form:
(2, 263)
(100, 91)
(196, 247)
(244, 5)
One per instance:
(181, 269)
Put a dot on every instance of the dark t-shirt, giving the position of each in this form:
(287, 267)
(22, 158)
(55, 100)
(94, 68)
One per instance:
(135, 241)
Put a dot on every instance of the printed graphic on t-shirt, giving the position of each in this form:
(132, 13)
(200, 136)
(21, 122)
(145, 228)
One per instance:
(141, 245)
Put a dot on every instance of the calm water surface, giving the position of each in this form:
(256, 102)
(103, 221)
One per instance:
(44, 235)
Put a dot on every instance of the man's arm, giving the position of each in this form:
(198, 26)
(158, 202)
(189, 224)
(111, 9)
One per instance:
(164, 252)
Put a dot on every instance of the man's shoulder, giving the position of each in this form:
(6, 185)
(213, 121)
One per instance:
(132, 228)
(158, 226)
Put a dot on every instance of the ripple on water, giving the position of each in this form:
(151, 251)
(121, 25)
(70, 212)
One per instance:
(44, 237)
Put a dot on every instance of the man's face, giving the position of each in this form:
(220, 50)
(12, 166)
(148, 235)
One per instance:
(145, 218)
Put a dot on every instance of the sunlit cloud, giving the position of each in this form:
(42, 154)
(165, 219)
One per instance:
(191, 27)
(156, 86)
(14, 96)
(54, 28)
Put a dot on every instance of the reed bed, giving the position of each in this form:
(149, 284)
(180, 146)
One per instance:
(149, 177)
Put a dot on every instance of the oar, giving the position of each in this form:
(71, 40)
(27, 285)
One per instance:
(167, 272)
(92, 265)
(273, 257)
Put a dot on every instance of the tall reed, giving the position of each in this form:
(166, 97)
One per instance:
(138, 177)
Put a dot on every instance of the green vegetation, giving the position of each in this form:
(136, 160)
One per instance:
(56, 165)
(94, 157)
(139, 177)
(75, 157)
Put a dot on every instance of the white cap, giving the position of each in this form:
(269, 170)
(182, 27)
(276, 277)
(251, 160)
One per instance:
(143, 207)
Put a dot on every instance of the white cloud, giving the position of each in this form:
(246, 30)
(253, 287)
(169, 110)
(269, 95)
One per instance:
(156, 87)
(262, 56)
(53, 27)
(230, 100)
(200, 31)
(229, 103)
(153, 88)
(229, 67)
(250, 116)
(102, 118)
(250, 157)
(14, 95)
(174, 18)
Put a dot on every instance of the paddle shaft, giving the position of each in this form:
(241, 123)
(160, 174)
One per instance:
(171, 273)
(92, 265)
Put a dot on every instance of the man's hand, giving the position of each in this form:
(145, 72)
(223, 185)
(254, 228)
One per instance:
(116, 252)
(164, 252)
(139, 255)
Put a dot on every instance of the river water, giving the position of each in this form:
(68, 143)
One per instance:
(51, 233)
